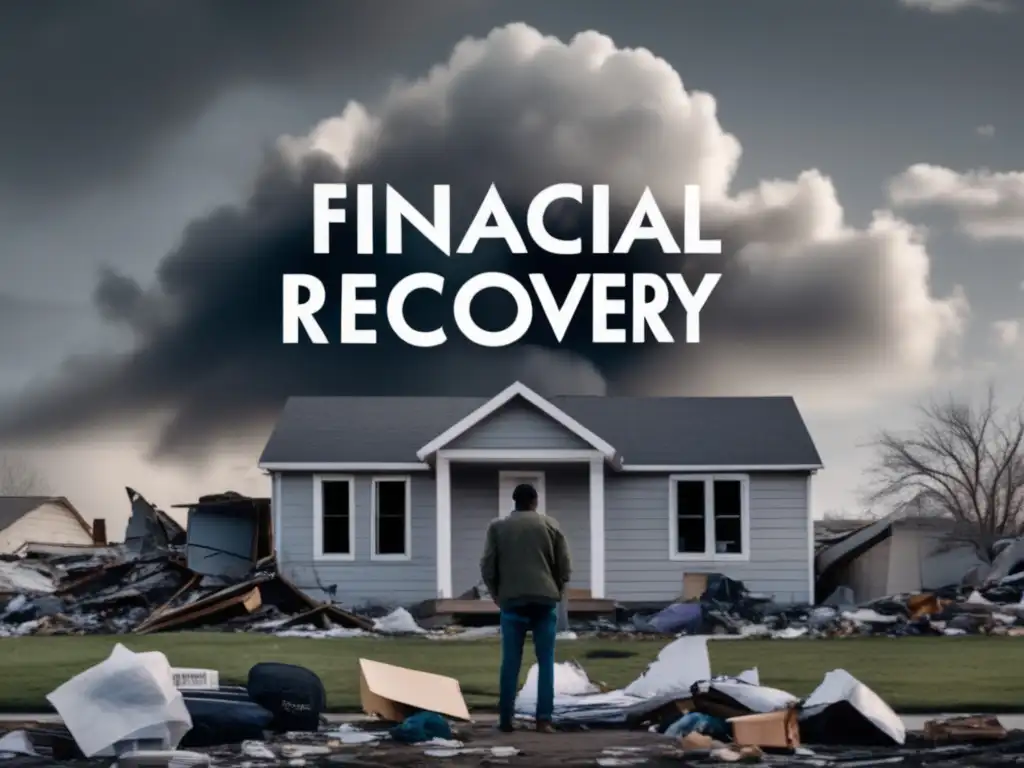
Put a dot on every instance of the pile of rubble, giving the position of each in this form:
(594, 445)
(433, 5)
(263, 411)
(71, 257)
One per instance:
(725, 606)
(221, 574)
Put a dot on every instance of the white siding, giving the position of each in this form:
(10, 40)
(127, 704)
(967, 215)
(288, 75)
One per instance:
(359, 581)
(475, 505)
(637, 564)
(48, 523)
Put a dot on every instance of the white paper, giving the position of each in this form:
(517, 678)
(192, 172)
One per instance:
(680, 664)
(128, 697)
(839, 685)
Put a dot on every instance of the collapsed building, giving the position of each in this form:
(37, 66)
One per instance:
(218, 571)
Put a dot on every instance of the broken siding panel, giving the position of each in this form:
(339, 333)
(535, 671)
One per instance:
(519, 426)
(911, 560)
(49, 523)
(360, 581)
(475, 504)
(868, 574)
(941, 563)
(221, 541)
(637, 564)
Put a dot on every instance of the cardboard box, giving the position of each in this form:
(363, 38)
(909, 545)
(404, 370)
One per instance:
(694, 585)
(393, 693)
(779, 730)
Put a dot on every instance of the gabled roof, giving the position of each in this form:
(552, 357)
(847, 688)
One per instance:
(651, 432)
(520, 390)
(13, 508)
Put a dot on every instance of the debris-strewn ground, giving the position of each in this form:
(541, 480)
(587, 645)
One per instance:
(481, 745)
(223, 576)
(113, 590)
(914, 675)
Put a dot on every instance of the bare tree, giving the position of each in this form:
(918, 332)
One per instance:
(19, 478)
(962, 462)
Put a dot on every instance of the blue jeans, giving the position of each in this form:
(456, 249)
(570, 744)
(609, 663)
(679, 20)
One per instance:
(541, 621)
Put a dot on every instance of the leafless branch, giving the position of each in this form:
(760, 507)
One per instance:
(962, 462)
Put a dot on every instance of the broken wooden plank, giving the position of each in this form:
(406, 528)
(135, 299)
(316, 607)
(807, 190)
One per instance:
(239, 604)
(451, 606)
(346, 619)
(217, 598)
(315, 616)
(165, 608)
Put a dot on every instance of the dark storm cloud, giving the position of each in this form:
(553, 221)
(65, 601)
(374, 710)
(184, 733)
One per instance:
(521, 111)
(88, 89)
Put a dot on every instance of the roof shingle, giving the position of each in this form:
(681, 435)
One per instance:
(694, 431)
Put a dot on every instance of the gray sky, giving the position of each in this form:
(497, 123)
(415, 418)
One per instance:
(904, 106)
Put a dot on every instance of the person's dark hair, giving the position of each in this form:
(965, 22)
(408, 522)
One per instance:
(525, 497)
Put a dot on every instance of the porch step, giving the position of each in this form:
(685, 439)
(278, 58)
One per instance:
(454, 607)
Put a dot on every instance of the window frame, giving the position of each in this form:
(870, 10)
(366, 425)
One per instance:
(374, 514)
(318, 518)
(709, 554)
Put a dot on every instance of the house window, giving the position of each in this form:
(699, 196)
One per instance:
(391, 518)
(334, 507)
(708, 516)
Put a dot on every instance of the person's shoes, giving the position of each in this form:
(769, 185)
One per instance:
(506, 727)
(544, 726)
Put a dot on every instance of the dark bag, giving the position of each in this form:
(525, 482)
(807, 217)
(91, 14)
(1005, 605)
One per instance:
(294, 695)
(223, 717)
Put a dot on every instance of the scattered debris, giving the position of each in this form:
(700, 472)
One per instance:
(137, 709)
(220, 573)
(842, 710)
(964, 729)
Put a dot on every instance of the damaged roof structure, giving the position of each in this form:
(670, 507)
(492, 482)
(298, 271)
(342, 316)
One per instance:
(218, 571)
(900, 553)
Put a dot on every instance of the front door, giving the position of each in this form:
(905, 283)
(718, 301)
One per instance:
(508, 480)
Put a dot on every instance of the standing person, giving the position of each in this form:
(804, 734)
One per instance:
(526, 567)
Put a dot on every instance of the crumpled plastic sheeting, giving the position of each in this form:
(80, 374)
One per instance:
(398, 622)
(128, 697)
(577, 699)
(570, 680)
(680, 664)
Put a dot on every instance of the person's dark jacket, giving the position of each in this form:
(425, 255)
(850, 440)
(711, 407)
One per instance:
(526, 560)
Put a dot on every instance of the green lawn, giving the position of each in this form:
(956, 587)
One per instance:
(912, 674)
